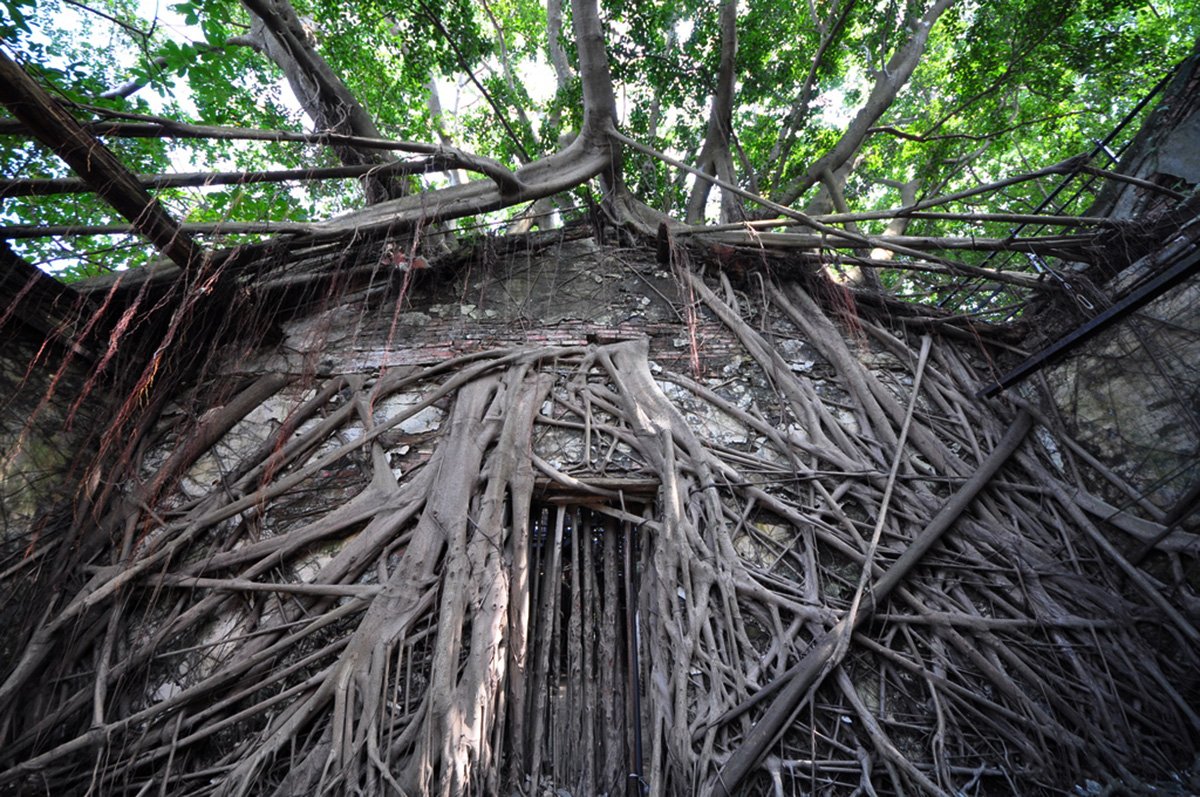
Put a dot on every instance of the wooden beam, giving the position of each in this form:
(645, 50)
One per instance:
(94, 162)
(587, 491)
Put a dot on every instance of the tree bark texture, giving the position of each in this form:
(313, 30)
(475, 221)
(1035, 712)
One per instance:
(316, 591)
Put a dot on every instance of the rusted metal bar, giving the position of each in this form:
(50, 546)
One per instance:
(634, 782)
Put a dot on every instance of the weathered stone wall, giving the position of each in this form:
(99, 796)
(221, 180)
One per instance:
(347, 537)
(1132, 395)
(578, 294)
(40, 436)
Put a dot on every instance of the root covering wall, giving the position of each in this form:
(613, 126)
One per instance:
(603, 526)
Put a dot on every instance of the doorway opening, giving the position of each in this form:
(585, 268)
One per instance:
(583, 714)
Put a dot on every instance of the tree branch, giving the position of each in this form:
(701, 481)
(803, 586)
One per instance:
(924, 138)
(888, 84)
(782, 148)
(330, 104)
(447, 161)
(62, 134)
(158, 127)
(487, 95)
(715, 156)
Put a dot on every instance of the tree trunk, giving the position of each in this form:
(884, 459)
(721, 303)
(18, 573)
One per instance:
(716, 156)
(277, 31)
(888, 83)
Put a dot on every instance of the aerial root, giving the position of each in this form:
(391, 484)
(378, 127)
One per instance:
(363, 607)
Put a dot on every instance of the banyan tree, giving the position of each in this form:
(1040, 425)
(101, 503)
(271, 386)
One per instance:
(767, 495)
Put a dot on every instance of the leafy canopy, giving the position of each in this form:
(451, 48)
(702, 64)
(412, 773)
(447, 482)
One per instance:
(1000, 88)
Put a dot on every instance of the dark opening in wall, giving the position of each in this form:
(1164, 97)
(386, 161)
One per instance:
(584, 724)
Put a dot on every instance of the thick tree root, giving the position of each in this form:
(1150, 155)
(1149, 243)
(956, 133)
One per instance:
(875, 585)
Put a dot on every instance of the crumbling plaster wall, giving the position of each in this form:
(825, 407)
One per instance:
(41, 432)
(1132, 395)
(572, 295)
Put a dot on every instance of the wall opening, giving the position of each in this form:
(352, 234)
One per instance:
(584, 717)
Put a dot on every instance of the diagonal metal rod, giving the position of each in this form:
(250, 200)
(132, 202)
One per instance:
(1101, 146)
(1120, 310)
(95, 163)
